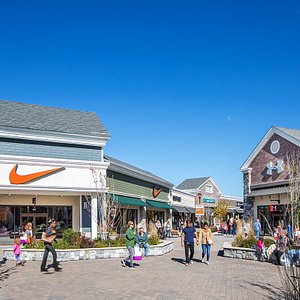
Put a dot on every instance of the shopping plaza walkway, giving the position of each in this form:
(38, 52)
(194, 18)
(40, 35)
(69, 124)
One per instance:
(162, 277)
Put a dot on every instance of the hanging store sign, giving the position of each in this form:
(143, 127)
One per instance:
(199, 210)
(209, 199)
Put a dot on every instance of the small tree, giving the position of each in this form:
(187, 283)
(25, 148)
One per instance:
(293, 164)
(107, 205)
(220, 210)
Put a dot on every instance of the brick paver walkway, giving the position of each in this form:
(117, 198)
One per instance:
(156, 278)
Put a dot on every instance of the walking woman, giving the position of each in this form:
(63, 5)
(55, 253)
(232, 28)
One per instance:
(48, 239)
(130, 239)
(207, 242)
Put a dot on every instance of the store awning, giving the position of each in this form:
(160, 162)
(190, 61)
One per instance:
(179, 209)
(270, 191)
(159, 204)
(191, 210)
(123, 200)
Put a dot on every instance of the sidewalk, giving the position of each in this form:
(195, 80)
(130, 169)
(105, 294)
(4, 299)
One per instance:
(163, 277)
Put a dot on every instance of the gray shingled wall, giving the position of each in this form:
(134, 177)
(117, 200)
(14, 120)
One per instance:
(49, 151)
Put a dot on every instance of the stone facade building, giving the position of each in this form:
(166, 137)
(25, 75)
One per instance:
(266, 177)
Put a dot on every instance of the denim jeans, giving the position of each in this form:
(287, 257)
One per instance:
(146, 247)
(257, 234)
(130, 257)
(168, 233)
(17, 257)
(206, 250)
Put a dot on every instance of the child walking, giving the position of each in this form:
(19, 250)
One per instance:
(17, 251)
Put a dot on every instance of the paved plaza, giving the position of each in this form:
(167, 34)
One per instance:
(164, 277)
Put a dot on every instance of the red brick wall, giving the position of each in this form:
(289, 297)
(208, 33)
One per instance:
(259, 164)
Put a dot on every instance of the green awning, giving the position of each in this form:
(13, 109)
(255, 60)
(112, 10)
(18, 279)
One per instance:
(159, 204)
(122, 200)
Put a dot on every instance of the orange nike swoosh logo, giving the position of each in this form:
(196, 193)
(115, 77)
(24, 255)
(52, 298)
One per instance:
(156, 192)
(15, 178)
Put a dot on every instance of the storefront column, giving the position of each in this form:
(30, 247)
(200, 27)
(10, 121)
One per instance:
(169, 216)
(142, 219)
(94, 214)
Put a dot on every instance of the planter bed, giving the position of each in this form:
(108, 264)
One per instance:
(87, 253)
(240, 253)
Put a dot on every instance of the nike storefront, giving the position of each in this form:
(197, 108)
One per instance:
(50, 159)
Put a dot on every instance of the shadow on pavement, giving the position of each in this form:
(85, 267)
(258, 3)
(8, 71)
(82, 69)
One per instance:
(178, 260)
(4, 274)
(220, 253)
(274, 292)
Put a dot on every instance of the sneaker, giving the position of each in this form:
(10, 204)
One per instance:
(207, 262)
(44, 270)
(191, 262)
(132, 267)
(186, 264)
(58, 269)
(123, 263)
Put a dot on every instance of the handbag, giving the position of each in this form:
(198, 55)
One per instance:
(209, 241)
(47, 239)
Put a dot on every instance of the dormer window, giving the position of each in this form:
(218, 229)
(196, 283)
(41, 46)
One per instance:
(209, 189)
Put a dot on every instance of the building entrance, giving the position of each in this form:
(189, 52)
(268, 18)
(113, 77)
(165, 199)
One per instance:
(38, 221)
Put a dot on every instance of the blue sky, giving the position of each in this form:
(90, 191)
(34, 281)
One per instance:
(185, 88)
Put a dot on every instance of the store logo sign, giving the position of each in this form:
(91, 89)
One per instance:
(156, 192)
(16, 178)
(278, 167)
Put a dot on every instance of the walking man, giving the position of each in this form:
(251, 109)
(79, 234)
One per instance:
(187, 240)
(257, 229)
(48, 239)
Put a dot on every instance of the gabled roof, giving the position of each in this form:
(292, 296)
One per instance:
(292, 135)
(124, 168)
(295, 133)
(196, 183)
(17, 115)
(192, 183)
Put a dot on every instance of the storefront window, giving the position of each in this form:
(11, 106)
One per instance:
(123, 217)
(6, 224)
(153, 216)
(273, 214)
(14, 218)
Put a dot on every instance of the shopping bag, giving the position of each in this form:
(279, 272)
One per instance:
(137, 253)
(23, 239)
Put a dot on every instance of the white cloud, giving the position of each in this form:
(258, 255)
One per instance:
(229, 119)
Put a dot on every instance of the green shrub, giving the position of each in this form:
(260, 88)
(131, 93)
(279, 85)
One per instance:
(39, 245)
(119, 242)
(153, 240)
(71, 237)
(244, 243)
(269, 242)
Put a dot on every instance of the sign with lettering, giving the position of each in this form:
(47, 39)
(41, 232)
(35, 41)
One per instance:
(199, 210)
(275, 208)
(209, 199)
